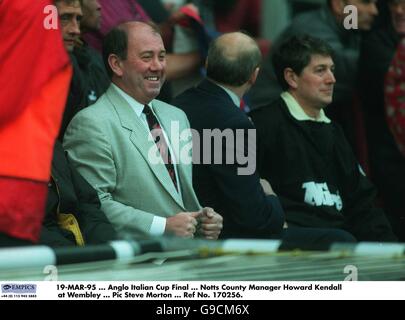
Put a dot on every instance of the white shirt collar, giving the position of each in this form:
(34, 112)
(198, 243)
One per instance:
(137, 106)
(298, 113)
(235, 99)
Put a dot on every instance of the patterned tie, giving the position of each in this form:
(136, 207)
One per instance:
(160, 142)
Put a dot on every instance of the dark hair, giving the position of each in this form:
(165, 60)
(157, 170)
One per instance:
(296, 53)
(235, 70)
(115, 42)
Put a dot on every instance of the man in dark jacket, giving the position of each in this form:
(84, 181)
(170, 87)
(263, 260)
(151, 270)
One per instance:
(306, 156)
(229, 181)
(90, 79)
(73, 215)
(387, 165)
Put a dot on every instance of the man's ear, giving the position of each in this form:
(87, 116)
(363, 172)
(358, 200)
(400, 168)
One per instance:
(291, 77)
(254, 76)
(115, 65)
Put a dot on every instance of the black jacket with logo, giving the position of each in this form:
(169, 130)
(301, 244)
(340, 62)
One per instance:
(313, 170)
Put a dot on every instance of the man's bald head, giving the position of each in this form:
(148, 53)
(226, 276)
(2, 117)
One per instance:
(232, 59)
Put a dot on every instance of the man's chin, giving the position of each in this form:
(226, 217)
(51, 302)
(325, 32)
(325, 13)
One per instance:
(327, 102)
(152, 94)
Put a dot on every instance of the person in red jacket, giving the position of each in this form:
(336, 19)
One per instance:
(34, 78)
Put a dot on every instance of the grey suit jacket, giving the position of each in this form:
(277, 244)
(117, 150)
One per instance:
(109, 146)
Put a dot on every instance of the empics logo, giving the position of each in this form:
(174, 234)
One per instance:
(18, 288)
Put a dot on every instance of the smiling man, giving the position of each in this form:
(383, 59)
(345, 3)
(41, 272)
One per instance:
(306, 156)
(110, 143)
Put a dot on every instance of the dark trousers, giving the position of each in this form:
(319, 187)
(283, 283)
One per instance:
(7, 241)
(313, 238)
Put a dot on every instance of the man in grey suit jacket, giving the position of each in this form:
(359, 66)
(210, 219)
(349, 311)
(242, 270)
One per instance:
(111, 145)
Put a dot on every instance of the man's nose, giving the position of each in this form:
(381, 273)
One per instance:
(330, 78)
(74, 27)
(156, 64)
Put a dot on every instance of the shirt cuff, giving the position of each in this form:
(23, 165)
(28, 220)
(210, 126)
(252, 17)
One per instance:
(158, 226)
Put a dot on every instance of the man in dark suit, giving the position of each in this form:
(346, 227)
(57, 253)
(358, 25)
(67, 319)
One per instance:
(249, 206)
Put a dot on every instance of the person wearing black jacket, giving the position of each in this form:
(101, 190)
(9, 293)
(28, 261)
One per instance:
(387, 165)
(249, 206)
(90, 79)
(71, 195)
(306, 156)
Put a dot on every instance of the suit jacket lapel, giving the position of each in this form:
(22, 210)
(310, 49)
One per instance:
(139, 138)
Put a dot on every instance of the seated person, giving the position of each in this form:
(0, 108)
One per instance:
(306, 155)
(125, 144)
(90, 79)
(249, 206)
(73, 215)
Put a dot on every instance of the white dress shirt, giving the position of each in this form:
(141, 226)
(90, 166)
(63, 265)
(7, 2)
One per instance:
(159, 223)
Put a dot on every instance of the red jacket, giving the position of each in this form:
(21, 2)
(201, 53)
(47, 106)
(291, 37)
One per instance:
(34, 79)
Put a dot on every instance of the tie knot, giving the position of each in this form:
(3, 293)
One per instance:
(147, 110)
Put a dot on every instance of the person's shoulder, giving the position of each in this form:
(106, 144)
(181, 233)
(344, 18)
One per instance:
(96, 112)
(268, 117)
(186, 98)
(268, 111)
(337, 130)
(205, 92)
